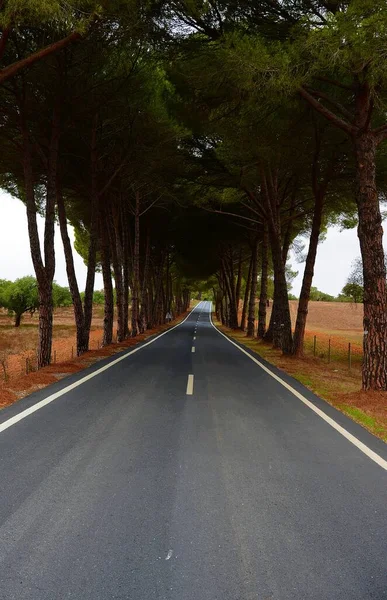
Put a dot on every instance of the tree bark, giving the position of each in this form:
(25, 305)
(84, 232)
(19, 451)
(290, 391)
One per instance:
(93, 243)
(117, 270)
(107, 285)
(253, 291)
(16, 67)
(282, 327)
(136, 267)
(125, 266)
(370, 233)
(44, 271)
(302, 311)
(246, 296)
(238, 285)
(144, 312)
(71, 275)
(228, 278)
(263, 292)
(18, 318)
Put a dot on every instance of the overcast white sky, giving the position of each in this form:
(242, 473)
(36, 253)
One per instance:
(333, 264)
(15, 257)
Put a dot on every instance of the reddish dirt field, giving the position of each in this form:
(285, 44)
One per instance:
(339, 322)
(337, 317)
(18, 344)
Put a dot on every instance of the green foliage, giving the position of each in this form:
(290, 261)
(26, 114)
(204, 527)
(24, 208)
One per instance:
(354, 291)
(316, 295)
(98, 297)
(68, 15)
(61, 295)
(19, 296)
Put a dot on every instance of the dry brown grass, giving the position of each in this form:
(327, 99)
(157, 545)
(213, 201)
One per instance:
(17, 344)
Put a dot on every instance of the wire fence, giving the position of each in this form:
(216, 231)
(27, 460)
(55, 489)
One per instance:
(334, 349)
(14, 366)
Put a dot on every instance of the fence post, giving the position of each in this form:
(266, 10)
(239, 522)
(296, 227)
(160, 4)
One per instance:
(349, 356)
(314, 345)
(97, 344)
(329, 350)
(27, 366)
(72, 352)
(54, 356)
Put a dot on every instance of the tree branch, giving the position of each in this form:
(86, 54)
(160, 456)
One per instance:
(222, 212)
(112, 178)
(340, 123)
(333, 82)
(318, 94)
(14, 69)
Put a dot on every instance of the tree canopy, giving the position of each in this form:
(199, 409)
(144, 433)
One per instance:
(191, 145)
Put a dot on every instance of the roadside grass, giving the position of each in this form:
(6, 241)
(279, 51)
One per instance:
(333, 381)
(361, 417)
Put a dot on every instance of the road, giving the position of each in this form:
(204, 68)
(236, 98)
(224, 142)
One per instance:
(143, 483)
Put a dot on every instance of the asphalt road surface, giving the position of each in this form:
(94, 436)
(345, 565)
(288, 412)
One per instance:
(181, 474)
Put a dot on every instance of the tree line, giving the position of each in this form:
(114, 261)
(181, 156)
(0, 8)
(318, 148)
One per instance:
(21, 296)
(192, 141)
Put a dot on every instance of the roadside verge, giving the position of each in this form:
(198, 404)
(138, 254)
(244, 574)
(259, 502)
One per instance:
(338, 388)
(12, 391)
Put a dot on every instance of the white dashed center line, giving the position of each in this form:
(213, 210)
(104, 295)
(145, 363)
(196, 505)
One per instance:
(190, 384)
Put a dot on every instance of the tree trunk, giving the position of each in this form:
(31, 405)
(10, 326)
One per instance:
(370, 233)
(107, 286)
(280, 324)
(282, 327)
(247, 296)
(136, 267)
(230, 290)
(18, 317)
(117, 279)
(157, 315)
(302, 311)
(253, 291)
(222, 312)
(16, 67)
(44, 271)
(238, 285)
(263, 293)
(71, 276)
(45, 325)
(92, 254)
(125, 267)
(144, 317)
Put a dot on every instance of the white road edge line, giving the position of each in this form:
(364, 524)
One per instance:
(193, 349)
(351, 438)
(190, 383)
(29, 411)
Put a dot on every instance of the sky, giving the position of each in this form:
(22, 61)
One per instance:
(333, 264)
(15, 256)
